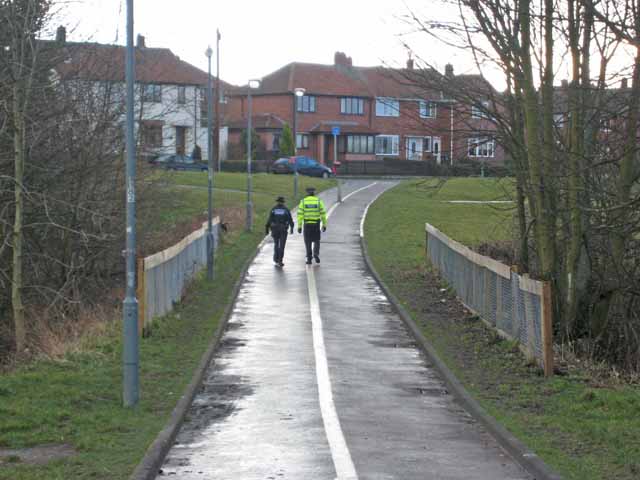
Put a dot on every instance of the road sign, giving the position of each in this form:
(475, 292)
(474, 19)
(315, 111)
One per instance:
(335, 131)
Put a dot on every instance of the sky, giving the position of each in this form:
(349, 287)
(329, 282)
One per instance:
(259, 37)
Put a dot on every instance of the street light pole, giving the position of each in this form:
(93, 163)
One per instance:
(210, 245)
(252, 84)
(130, 357)
(299, 93)
(218, 100)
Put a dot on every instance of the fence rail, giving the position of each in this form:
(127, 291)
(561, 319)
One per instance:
(516, 305)
(164, 276)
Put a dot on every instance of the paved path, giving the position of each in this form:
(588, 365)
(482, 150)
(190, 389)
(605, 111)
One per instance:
(317, 378)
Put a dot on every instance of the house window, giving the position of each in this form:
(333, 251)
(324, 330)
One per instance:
(152, 93)
(306, 104)
(302, 141)
(352, 106)
(151, 135)
(481, 110)
(427, 109)
(182, 95)
(387, 144)
(276, 142)
(481, 147)
(387, 107)
(360, 144)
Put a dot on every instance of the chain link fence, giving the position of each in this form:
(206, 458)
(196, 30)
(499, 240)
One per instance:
(164, 276)
(517, 306)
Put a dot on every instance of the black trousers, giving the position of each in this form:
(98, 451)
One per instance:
(312, 237)
(279, 241)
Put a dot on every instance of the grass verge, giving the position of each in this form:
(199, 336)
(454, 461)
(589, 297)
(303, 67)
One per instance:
(77, 400)
(583, 427)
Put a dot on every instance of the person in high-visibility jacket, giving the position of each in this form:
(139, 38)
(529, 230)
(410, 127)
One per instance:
(311, 213)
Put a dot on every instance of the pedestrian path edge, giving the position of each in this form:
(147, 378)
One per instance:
(150, 464)
(526, 458)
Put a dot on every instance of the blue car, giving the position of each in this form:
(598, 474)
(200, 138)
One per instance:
(173, 161)
(304, 165)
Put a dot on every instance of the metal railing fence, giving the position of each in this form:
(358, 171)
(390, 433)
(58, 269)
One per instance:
(517, 306)
(164, 276)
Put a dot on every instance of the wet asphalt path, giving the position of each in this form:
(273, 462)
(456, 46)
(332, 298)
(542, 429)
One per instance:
(317, 378)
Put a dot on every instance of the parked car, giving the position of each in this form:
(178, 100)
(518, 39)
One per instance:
(173, 161)
(304, 165)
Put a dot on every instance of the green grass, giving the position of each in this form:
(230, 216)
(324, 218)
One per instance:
(77, 400)
(179, 202)
(261, 182)
(583, 429)
(418, 202)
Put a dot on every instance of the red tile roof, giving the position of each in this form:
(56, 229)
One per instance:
(94, 61)
(341, 80)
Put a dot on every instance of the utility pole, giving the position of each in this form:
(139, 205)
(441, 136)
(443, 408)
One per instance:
(130, 306)
(336, 131)
(299, 93)
(217, 97)
(210, 252)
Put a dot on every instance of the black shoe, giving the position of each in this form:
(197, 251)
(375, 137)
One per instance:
(280, 264)
(317, 259)
(308, 261)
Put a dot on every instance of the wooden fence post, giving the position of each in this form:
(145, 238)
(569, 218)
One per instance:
(547, 329)
(142, 297)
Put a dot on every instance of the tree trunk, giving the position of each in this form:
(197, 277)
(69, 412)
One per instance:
(544, 226)
(16, 285)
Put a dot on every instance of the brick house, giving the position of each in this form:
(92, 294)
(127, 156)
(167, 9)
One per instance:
(381, 113)
(170, 94)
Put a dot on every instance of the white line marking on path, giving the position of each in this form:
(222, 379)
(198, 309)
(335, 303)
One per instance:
(336, 205)
(364, 215)
(345, 470)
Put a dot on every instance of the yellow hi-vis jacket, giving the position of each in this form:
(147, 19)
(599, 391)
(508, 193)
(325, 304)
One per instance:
(311, 210)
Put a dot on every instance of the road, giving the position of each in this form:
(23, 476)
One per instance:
(318, 378)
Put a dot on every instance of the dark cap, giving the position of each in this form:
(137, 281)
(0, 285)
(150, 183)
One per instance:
(280, 199)
(311, 189)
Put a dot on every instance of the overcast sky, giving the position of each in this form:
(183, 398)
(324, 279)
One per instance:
(258, 36)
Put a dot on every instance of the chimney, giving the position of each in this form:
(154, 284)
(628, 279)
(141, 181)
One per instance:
(410, 64)
(448, 70)
(140, 43)
(624, 84)
(340, 58)
(61, 34)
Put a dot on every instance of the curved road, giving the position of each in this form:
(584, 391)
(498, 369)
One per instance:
(317, 378)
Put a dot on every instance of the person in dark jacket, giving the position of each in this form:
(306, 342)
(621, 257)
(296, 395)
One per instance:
(279, 221)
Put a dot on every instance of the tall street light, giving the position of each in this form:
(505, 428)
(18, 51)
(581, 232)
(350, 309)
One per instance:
(209, 53)
(299, 92)
(252, 84)
(130, 356)
(218, 97)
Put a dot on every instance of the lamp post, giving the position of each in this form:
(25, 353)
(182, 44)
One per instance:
(218, 96)
(252, 84)
(130, 355)
(299, 92)
(209, 53)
